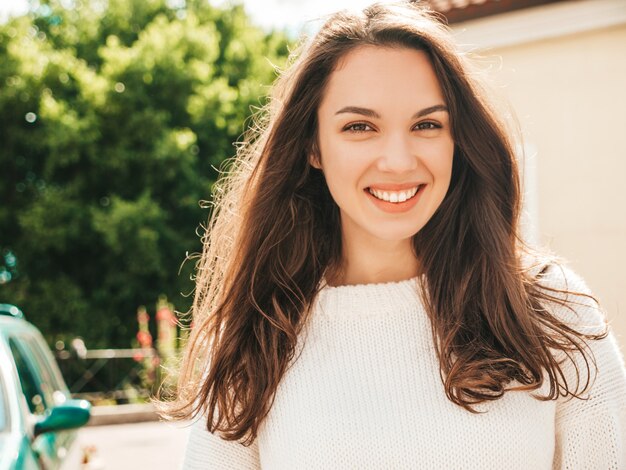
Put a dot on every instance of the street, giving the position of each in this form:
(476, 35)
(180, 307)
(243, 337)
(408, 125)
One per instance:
(153, 445)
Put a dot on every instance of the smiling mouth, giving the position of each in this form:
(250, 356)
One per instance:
(395, 197)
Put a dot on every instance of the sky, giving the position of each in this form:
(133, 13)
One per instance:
(294, 13)
(290, 14)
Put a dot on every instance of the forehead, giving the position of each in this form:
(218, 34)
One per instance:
(376, 76)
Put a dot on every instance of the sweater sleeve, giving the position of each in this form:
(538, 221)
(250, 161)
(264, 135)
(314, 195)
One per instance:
(209, 451)
(590, 433)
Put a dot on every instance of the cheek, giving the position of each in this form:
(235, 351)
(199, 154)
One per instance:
(342, 163)
(340, 178)
(438, 161)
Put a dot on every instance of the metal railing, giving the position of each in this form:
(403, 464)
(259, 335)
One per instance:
(125, 375)
(120, 375)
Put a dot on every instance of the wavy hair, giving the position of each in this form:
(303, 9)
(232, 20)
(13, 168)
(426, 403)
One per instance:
(274, 234)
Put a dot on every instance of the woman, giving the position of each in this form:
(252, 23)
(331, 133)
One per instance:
(364, 300)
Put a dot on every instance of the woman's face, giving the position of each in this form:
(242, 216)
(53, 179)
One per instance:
(385, 145)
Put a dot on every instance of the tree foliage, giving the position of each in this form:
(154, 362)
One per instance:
(114, 115)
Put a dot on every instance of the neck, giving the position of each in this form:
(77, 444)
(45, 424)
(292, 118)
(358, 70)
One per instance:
(375, 261)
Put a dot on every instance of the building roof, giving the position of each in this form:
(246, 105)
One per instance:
(456, 11)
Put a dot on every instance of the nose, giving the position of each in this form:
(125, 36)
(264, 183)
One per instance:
(397, 154)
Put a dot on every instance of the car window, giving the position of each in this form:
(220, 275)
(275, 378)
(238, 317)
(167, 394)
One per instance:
(32, 387)
(48, 369)
(46, 358)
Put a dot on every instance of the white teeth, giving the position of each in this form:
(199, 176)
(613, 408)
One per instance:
(394, 196)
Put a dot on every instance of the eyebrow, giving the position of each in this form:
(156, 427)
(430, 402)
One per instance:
(373, 114)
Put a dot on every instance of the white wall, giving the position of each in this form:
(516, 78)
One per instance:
(567, 84)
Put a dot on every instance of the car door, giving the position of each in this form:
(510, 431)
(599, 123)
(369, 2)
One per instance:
(42, 391)
(15, 443)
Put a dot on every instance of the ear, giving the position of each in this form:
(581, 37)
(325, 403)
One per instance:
(314, 157)
(314, 161)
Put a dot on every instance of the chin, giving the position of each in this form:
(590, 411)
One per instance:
(396, 235)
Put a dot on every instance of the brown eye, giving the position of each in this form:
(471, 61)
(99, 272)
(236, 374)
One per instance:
(427, 126)
(357, 127)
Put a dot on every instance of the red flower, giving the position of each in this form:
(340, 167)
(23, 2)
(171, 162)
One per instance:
(144, 338)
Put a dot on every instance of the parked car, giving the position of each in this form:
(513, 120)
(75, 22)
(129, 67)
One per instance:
(38, 418)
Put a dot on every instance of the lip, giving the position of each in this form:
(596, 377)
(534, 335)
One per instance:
(395, 207)
(394, 186)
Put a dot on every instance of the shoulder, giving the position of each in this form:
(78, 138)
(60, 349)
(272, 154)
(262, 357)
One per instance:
(559, 276)
(568, 297)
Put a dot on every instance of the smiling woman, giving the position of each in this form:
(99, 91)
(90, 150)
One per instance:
(364, 299)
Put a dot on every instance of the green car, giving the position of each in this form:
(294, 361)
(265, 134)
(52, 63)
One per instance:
(38, 418)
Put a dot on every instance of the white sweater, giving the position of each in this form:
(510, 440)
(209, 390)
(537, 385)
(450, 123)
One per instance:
(366, 393)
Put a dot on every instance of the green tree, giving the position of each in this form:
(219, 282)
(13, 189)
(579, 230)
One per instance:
(113, 117)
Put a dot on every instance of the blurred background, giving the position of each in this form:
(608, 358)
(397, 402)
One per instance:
(115, 115)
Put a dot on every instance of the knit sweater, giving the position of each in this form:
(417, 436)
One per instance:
(364, 391)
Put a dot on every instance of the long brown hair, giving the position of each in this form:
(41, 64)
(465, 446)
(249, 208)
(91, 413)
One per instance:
(274, 234)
